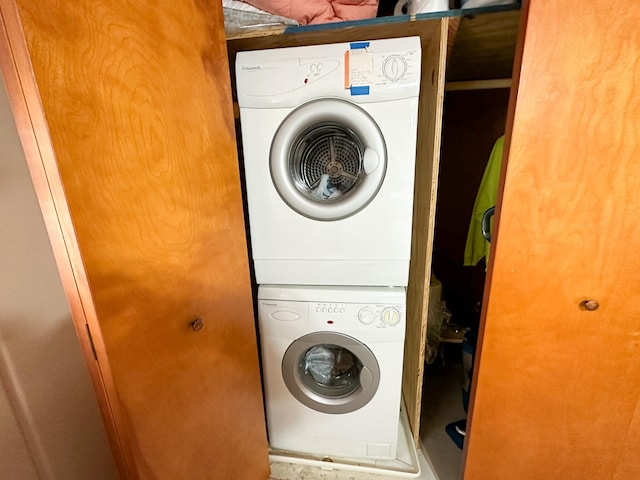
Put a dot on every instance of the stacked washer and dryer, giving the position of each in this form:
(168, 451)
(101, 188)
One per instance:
(329, 140)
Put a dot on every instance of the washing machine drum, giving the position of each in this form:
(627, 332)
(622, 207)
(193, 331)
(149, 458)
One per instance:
(331, 372)
(328, 159)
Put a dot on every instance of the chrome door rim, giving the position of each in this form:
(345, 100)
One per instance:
(354, 122)
(369, 375)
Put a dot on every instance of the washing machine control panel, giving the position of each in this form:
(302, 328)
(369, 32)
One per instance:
(356, 316)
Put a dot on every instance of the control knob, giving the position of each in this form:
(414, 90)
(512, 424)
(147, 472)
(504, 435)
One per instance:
(394, 67)
(390, 316)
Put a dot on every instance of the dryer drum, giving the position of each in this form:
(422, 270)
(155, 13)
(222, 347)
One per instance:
(328, 159)
(325, 161)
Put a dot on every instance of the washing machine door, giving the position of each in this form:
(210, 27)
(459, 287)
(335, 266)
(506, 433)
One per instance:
(331, 372)
(328, 159)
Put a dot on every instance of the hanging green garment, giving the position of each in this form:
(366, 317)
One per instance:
(477, 247)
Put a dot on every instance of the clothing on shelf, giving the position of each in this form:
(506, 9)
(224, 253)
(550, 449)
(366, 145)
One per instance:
(239, 16)
(319, 11)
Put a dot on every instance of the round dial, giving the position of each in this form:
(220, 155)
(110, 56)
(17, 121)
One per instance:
(390, 316)
(366, 316)
(394, 67)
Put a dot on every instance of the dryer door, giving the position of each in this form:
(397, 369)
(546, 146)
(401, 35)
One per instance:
(331, 372)
(328, 159)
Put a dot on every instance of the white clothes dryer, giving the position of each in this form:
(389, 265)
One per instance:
(329, 142)
(332, 368)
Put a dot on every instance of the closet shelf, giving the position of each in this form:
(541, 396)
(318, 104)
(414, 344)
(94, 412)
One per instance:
(478, 84)
(481, 41)
(482, 46)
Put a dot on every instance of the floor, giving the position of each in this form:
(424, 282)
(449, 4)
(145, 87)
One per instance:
(441, 405)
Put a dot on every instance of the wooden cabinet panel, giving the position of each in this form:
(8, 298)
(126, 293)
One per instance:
(556, 390)
(137, 104)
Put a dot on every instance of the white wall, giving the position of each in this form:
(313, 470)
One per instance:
(50, 426)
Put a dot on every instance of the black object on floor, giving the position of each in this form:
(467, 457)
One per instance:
(456, 431)
(468, 356)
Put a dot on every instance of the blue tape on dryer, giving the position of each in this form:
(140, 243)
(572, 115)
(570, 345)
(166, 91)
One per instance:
(361, 90)
(358, 45)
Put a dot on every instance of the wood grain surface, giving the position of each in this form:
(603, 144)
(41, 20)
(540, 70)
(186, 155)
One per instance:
(138, 106)
(556, 392)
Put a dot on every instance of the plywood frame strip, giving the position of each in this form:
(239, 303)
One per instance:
(424, 209)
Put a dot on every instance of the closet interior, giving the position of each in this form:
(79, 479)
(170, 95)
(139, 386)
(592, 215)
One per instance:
(466, 78)
(472, 121)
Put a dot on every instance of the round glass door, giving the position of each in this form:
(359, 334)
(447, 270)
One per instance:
(331, 372)
(328, 159)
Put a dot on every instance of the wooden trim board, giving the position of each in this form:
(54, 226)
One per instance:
(424, 210)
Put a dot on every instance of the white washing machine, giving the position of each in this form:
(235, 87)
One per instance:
(332, 368)
(329, 141)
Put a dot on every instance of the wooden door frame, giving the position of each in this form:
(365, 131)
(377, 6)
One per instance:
(28, 112)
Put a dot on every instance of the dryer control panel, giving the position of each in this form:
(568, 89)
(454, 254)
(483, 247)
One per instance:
(362, 72)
